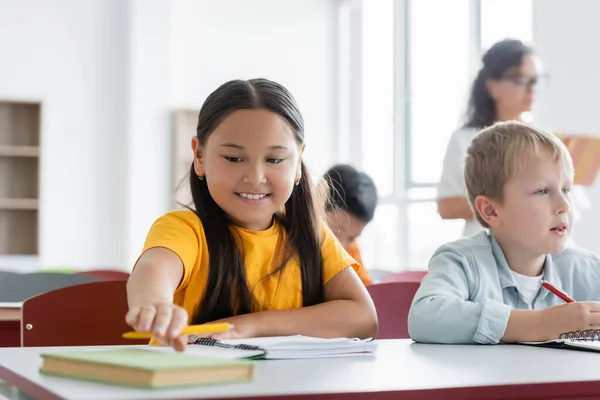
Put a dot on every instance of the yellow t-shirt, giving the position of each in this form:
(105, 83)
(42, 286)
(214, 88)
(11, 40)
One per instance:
(363, 274)
(182, 232)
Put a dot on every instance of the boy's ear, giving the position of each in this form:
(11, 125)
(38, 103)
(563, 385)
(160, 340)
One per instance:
(486, 208)
(198, 157)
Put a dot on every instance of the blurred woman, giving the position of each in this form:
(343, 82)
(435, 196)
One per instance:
(503, 90)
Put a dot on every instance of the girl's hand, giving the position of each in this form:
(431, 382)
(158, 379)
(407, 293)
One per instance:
(244, 326)
(165, 321)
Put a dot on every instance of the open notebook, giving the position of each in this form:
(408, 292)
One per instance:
(281, 347)
(586, 340)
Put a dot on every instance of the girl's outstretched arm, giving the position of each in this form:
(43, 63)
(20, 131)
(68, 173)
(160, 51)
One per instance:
(150, 290)
(348, 311)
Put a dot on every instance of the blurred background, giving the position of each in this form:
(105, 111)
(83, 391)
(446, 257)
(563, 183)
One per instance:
(97, 85)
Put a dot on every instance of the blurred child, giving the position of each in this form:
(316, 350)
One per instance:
(351, 206)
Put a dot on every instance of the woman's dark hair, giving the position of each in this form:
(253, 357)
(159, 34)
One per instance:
(502, 56)
(352, 191)
(227, 292)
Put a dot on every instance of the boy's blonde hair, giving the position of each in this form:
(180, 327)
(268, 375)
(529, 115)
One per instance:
(498, 152)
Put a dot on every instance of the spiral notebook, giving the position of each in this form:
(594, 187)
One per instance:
(586, 340)
(282, 347)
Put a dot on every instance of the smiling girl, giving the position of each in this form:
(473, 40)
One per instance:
(253, 252)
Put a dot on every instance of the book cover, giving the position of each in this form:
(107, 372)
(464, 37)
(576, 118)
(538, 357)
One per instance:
(145, 368)
(585, 152)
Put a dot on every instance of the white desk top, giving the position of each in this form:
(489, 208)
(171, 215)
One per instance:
(398, 365)
(12, 305)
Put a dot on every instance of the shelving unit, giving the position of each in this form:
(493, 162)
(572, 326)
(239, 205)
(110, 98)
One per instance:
(19, 177)
(184, 127)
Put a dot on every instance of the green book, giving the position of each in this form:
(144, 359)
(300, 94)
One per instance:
(145, 368)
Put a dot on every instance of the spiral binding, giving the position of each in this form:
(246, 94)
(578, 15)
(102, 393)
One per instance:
(587, 335)
(216, 343)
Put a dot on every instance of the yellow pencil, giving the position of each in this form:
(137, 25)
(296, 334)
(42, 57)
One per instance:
(188, 330)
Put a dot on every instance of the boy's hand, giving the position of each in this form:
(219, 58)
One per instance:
(165, 321)
(570, 317)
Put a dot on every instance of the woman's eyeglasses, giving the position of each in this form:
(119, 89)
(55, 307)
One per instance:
(527, 82)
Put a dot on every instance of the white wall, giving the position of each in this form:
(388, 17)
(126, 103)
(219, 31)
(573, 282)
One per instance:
(110, 73)
(292, 42)
(211, 42)
(70, 55)
(148, 152)
(565, 36)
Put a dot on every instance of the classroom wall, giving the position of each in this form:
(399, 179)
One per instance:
(148, 154)
(292, 42)
(71, 56)
(565, 33)
(110, 72)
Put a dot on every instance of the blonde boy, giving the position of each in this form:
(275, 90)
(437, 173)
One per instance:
(487, 288)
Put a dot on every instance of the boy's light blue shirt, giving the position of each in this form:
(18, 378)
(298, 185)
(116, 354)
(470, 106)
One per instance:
(469, 290)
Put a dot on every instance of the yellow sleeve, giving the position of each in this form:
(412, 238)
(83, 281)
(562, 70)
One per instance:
(363, 274)
(176, 232)
(335, 257)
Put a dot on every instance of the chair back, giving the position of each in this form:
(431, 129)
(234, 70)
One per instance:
(91, 314)
(404, 276)
(392, 302)
(106, 274)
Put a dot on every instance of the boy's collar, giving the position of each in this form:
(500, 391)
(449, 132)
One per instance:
(504, 272)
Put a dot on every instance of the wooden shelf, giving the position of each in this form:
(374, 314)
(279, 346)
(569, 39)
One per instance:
(20, 123)
(19, 204)
(19, 177)
(19, 232)
(19, 151)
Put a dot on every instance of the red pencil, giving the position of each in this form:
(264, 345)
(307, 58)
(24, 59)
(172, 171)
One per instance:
(557, 292)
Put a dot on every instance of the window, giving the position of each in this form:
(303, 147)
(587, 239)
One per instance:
(439, 77)
(377, 89)
(438, 59)
(407, 74)
(367, 138)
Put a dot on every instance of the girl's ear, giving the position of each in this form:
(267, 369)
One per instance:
(299, 167)
(198, 157)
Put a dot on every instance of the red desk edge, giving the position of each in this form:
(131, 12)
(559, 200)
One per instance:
(534, 391)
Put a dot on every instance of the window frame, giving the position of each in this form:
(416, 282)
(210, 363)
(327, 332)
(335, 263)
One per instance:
(350, 137)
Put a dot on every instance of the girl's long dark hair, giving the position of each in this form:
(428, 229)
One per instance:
(502, 56)
(227, 292)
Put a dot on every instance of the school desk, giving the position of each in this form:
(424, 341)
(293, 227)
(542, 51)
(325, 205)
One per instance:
(400, 369)
(10, 311)
(10, 324)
